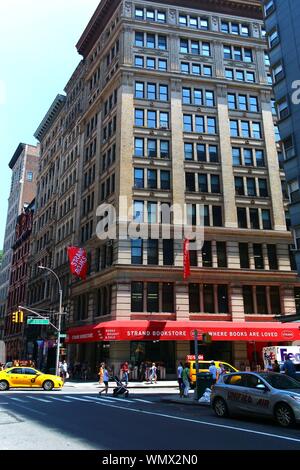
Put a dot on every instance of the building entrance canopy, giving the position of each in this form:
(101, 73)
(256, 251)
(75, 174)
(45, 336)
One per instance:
(142, 330)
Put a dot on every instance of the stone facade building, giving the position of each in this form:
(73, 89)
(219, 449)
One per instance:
(178, 110)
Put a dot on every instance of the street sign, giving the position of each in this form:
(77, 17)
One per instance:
(63, 335)
(38, 321)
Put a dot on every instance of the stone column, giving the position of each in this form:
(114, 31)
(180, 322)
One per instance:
(237, 303)
(178, 176)
(182, 301)
(272, 162)
(230, 215)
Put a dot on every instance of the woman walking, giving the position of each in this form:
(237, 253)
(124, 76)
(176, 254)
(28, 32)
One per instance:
(105, 379)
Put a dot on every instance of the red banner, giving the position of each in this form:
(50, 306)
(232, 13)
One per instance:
(142, 330)
(78, 261)
(186, 259)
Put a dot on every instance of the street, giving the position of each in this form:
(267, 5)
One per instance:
(83, 420)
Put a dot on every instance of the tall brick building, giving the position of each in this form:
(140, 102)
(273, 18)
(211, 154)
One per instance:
(178, 110)
(24, 166)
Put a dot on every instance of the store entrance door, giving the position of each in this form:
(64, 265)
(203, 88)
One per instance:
(160, 352)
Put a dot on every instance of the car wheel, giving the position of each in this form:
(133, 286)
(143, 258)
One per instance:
(4, 385)
(284, 415)
(220, 408)
(48, 385)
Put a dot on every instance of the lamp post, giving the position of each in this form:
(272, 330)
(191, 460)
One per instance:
(59, 316)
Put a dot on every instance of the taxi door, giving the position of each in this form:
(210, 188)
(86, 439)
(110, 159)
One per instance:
(236, 393)
(30, 377)
(15, 377)
(259, 392)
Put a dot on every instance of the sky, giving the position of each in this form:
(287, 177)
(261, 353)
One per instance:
(37, 58)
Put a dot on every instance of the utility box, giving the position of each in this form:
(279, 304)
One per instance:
(203, 381)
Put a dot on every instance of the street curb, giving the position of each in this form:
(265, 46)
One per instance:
(183, 402)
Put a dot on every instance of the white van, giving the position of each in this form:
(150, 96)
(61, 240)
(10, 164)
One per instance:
(281, 353)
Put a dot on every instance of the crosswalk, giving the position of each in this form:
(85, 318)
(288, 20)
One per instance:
(49, 399)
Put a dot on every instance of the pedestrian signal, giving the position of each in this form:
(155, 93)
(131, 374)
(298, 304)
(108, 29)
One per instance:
(206, 338)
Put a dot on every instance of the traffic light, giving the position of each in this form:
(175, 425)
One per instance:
(21, 316)
(206, 338)
(18, 317)
(15, 317)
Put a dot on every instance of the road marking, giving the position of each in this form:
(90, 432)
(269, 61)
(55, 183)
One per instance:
(233, 428)
(100, 398)
(143, 401)
(60, 399)
(39, 399)
(17, 399)
(76, 398)
(119, 399)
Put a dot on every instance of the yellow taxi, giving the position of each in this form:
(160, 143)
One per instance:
(204, 366)
(23, 377)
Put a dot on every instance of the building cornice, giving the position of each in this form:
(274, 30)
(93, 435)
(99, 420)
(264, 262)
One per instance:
(96, 25)
(50, 116)
(21, 147)
(247, 8)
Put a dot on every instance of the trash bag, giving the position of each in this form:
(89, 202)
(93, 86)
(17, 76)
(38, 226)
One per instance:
(205, 397)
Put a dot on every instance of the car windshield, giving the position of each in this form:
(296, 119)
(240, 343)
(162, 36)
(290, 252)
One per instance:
(281, 382)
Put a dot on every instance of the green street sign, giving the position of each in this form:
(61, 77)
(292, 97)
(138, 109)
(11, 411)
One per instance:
(38, 321)
(63, 335)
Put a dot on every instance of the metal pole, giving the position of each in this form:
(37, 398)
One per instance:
(196, 361)
(58, 332)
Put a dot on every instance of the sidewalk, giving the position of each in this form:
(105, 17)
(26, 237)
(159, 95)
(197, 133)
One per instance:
(131, 385)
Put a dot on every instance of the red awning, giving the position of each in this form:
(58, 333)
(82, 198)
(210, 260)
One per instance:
(142, 330)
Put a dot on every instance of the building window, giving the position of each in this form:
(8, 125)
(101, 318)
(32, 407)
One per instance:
(152, 297)
(194, 298)
(138, 178)
(258, 256)
(221, 254)
(261, 299)
(167, 297)
(152, 251)
(272, 257)
(137, 251)
(248, 299)
(244, 255)
(137, 297)
(269, 7)
(168, 252)
(29, 176)
(242, 217)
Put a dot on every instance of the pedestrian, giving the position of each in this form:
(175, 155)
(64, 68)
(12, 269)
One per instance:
(179, 378)
(186, 379)
(105, 380)
(101, 373)
(221, 370)
(125, 371)
(276, 366)
(213, 371)
(289, 368)
(64, 369)
(269, 366)
(153, 373)
(142, 370)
